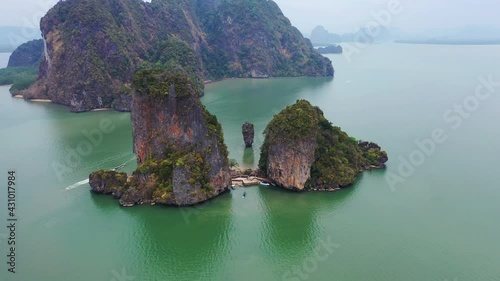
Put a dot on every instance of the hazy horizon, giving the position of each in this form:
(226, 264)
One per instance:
(414, 17)
(335, 15)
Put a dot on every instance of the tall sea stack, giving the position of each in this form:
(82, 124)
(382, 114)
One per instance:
(248, 134)
(182, 159)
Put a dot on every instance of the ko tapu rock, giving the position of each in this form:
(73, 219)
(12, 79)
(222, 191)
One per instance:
(303, 151)
(181, 156)
(248, 131)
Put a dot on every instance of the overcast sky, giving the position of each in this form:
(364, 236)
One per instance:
(416, 15)
(335, 15)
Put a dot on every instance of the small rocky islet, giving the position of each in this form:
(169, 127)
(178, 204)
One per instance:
(182, 159)
(302, 151)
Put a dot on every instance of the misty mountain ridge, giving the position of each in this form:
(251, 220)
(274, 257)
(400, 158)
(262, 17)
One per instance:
(467, 34)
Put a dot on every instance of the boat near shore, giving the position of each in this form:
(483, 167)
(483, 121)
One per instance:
(118, 168)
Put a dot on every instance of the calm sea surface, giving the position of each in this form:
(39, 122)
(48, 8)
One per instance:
(437, 221)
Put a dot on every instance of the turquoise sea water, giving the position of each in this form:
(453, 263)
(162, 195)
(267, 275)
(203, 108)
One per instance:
(440, 223)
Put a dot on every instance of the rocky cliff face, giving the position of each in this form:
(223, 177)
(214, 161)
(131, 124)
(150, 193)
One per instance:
(181, 155)
(29, 54)
(289, 163)
(92, 50)
(252, 38)
(303, 151)
(93, 47)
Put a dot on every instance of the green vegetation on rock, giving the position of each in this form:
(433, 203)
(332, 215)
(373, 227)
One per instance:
(294, 122)
(175, 55)
(157, 82)
(108, 182)
(160, 172)
(215, 129)
(20, 78)
(338, 157)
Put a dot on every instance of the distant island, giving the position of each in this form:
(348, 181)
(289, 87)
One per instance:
(93, 48)
(320, 36)
(467, 35)
(333, 49)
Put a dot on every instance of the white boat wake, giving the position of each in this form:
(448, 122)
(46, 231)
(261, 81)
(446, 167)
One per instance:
(83, 182)
(78, 184)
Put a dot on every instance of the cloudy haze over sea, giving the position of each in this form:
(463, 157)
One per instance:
(335, 15)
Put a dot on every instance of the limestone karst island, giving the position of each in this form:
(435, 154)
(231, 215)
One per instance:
(153, 59)
(249, 140)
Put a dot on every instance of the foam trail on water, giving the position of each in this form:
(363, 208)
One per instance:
(78, 184)
(83, 182)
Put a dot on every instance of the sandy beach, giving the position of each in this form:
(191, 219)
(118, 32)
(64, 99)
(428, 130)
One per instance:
(101, 109)
(40, 100)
